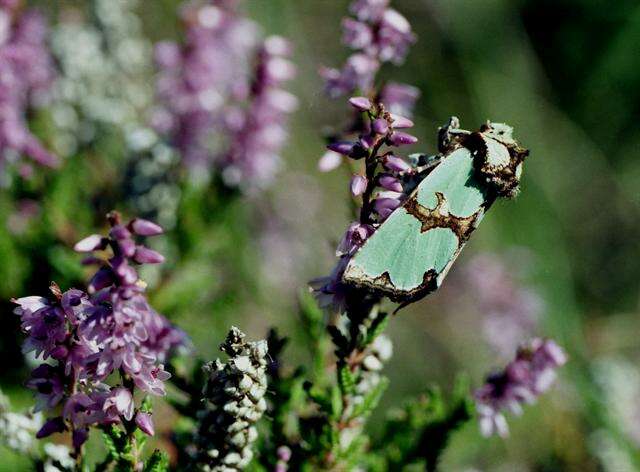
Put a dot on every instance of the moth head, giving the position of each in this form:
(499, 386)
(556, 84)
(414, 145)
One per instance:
(449, 135)
(497, 157)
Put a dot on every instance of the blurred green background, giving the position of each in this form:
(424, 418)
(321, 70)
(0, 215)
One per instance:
(565, 74)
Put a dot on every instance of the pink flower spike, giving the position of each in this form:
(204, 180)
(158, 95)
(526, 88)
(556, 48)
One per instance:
(358, 184)
(90, 243)
(360, 103)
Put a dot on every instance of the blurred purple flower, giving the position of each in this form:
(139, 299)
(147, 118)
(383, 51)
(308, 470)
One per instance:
(510, 310)
(523, 380)
(252, 158)
(197, 79)
(378, 34)
(216, 109)
(26, 75)
(399, 98)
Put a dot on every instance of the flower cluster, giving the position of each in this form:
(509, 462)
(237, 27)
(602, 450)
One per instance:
(258, 132)
(105, 63)
(510, 310)
(91, 335)
(377, 34)
(382, 185)
(523, 380)
(26, 75)
(234, 399)
(197, 79)
(215, 109)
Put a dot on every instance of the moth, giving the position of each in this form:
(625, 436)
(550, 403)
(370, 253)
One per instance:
(410, 253)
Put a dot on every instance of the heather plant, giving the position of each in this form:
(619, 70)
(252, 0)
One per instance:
(92, 335)
(116, 385)
(27, 76)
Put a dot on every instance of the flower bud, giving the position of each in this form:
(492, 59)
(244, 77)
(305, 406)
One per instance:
(398, 138)
(358, 184)
(390, 182)
(400, 122)
(380, 126)
(360, 103)
(144, 255)
(145, 423)
(90, 243)
(395, 164)
(342, 147)
(144, 227)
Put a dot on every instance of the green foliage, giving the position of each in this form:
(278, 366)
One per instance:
(157, 462)
(419, 432)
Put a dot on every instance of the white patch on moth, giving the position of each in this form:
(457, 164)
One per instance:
(519, 171)
(497, 153)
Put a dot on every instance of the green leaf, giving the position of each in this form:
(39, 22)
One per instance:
(371, 399)
(346, 379)
(157, 462)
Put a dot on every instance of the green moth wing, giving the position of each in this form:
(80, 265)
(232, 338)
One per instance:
(410, 254)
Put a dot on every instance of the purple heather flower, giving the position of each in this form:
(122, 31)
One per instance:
(91, 336)
(48, 384)
(144, 255)
(380, 126)
(145, 423)
(218, 111)
(400, 122)
(355, 34)
(398, 138)
(353, 238)
(27, 72)
(284, 456)
(90, 243)
(143, 227)
(342, 147)
(394, 37)
(390, 182)
(396, 164)
(329, 291)
(369, 10)
(384, 206)
(253, 155)
(529, 375)
(44, 323)
(360, 103)
(510, 310)
(52, 425)
(399, 98)
(378, 34)
(197, 79)
(358, 184)
(358, 73)
(120, 402)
